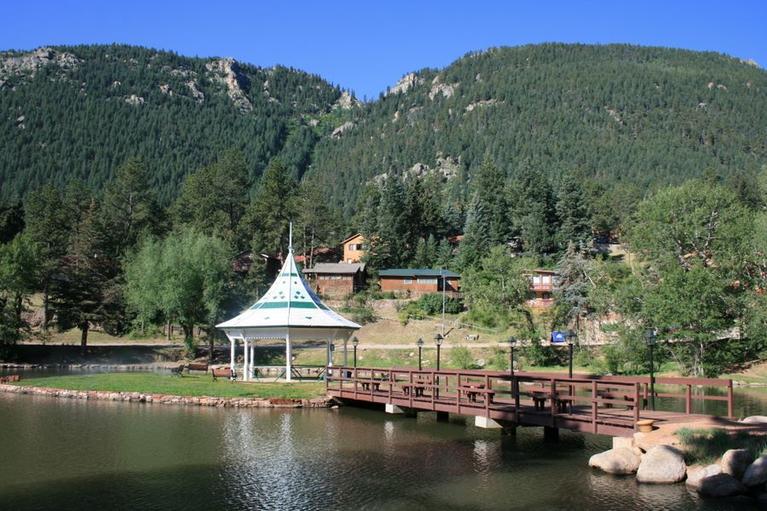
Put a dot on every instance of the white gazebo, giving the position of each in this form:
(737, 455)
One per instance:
(288, 311)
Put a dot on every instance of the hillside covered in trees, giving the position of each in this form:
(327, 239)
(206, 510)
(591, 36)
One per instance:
(80, 112)
(616, 114)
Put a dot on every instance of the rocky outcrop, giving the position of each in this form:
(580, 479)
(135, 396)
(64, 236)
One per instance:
(445, 89)
(720, 485)
(346, 102)
(29, 63)
(481, 104)
(621, 460)
(134, 100)
(339, 131)
(662, 465)
(696, 474)
(196, 93)
(406, 83)
(756, 473)
(164, 399)
(735, 462)
(227, 71)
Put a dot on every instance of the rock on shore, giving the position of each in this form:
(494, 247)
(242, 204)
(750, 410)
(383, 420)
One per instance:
(662, 465)
(138, 397)
(620, 460)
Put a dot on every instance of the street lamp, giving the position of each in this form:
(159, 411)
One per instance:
(420, 350)
(571, 336)
(512, 342)
(651, 337)
(355, 342)
(438, 341)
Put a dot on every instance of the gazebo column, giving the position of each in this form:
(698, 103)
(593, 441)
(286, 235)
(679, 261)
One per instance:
(346, 353)
(245, 359)
(288, 356)
(232, 342)
(252, 365)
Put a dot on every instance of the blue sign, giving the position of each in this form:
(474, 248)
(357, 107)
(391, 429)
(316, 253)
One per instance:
(558, 337)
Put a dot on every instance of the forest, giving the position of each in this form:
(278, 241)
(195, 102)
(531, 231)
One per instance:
(128, 214)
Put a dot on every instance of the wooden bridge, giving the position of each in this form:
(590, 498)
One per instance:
(608, 405)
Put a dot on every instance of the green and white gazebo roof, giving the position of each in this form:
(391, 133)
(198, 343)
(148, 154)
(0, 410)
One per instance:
(289, 303)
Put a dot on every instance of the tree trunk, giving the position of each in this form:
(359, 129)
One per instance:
(45, 307)
(211, 342)
(84, 326)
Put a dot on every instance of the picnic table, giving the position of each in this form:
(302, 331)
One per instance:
(473, 390)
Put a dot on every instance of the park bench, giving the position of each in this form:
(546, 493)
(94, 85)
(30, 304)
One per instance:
(197, 367)
(9, 378)
(472, 337)
(222, 372)
(178, 370)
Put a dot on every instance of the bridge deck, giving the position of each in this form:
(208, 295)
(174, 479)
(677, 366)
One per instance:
(594, 404)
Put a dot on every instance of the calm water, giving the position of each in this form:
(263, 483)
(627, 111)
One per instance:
(62, 454)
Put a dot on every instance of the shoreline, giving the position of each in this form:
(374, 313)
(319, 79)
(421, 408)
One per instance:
(169, 399)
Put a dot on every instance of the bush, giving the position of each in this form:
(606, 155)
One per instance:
(410, 311)
(460, 357)
(707, 445)
(540, 355)
(431, 304)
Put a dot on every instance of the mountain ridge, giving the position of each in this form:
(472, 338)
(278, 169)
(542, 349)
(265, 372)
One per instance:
(612, 113)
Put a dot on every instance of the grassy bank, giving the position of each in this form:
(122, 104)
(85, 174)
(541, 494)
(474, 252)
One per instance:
(192, 385)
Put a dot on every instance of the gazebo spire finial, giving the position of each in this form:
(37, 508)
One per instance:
(290, 238)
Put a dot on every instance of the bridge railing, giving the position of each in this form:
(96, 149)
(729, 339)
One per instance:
(552, 392)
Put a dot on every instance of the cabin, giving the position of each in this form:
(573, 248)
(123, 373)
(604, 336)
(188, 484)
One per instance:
(542, 284)
(419, 281)
(353, 250)
(336, 280)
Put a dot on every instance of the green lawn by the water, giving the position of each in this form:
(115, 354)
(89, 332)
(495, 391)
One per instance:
(187, 385)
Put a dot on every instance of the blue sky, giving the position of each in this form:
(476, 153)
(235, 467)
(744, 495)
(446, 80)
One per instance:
(367, 46)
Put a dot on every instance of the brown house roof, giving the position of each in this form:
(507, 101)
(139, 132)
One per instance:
(336, 268)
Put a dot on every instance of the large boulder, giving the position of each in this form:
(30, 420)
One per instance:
(755, 419)
(735, 462)
(720, 485)
(620, 460)
(756, 473)
(662, 465)
(697, 473)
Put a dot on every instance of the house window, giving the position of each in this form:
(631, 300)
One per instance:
(407, 280)
(426, 280)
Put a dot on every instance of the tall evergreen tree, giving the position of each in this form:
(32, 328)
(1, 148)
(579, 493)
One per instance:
(533, 211)
(275, 205)
(573, 212)
(85, 289)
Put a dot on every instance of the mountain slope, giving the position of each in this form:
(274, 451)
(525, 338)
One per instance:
(78, 112)
(616, 113)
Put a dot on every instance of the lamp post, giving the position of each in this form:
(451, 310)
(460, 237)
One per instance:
(512, 342)
(355, 342)
(420, 349)
(571, 336)
(438, 341)
(651, 337)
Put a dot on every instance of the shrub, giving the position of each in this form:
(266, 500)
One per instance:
(431, 304)
(460, 356)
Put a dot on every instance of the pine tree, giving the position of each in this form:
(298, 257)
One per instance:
(275, 205)
(130, 207)
(573, 213)
(533, 211)
(85, 289)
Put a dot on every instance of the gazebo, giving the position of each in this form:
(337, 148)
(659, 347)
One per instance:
(288, 311)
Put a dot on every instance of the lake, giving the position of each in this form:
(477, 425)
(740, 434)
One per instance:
(65, 454)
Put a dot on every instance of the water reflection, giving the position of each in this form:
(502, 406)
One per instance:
(80, 455)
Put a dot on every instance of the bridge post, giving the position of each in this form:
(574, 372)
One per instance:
(550, 434)
(398, 410)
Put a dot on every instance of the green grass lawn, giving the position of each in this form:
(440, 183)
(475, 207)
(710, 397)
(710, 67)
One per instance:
(191, 385)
